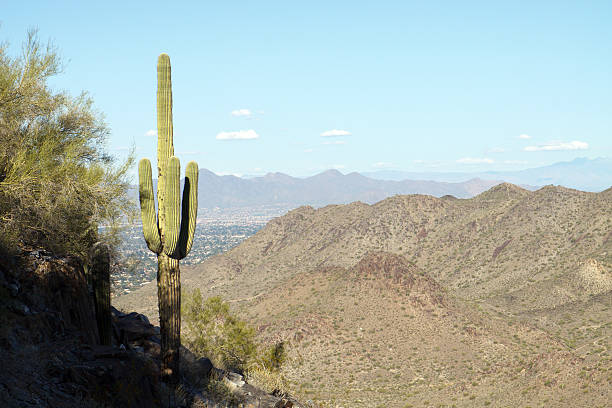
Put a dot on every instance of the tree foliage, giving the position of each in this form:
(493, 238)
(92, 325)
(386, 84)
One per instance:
(213, 331)
(57, 184)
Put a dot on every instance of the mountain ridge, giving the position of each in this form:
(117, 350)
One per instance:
(524, 278)
(581, 173)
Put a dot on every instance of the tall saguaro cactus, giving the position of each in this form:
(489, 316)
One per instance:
(99, 258)
(170, 234)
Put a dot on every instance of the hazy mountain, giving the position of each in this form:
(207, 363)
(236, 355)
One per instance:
(504, 299)
(329, 187)
(581, 173)
(333, 187)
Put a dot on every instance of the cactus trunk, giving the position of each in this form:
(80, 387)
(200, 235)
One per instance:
(169, 301)
(100, 279)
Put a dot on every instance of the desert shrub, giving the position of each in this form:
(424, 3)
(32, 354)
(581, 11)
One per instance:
(274, 356)
(214, 332)
(57, 184)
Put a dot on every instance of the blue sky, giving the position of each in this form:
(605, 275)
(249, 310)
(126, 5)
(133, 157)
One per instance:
(358, 86)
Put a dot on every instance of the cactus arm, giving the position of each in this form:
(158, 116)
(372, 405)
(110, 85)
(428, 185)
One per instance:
(172, 206)
(189, 212)
(147, 206)
(190, 207)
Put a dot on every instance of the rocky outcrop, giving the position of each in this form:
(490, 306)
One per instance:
(51, 356)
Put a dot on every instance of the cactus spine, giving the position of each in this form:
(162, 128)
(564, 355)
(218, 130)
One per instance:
(99, 257)
(170, 234)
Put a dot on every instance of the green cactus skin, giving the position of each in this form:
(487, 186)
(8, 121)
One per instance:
(99, 257)
(171, 235)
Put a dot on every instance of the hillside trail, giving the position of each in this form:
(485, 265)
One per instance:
(595, 343)
(246, 299)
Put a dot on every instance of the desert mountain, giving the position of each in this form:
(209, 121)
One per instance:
(451, 301)
(581, 173)
(322, 189)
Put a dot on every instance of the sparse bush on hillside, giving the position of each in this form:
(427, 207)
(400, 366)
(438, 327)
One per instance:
(213, 332)
(57, 184)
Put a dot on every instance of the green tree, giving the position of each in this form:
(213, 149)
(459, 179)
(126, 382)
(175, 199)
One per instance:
(57, 183)
(214, 332)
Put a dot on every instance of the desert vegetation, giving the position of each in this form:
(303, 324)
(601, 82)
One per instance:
(57, 181)
(215, 332)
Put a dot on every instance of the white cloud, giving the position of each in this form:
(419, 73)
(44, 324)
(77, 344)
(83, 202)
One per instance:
(151, 132)
(238, 135)
(497, 150)
(242, 113)
(472, 160)
(335, 142)
(308, 150)
(338, 166)
(524, 136)
(222, 173)
(335, 132)
(382, 164)
(574, 145)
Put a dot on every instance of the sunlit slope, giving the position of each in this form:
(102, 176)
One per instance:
(382, 333)
(505, 241)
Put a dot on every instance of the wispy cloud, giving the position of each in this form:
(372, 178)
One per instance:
(335, 142)
(338, 166)
(574, 145)
(151, 132)
(335, 132)
(308, 150)
(475, 160)
(524, 136)
(497, 150)
(238, 135)
(515, 162)
(246, 113)
(222, 173)
(381, 165)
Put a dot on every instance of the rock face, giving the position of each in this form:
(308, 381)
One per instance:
(51, 356)
(49, 341)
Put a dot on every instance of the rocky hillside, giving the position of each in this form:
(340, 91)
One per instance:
(506, 242)
(382, 333)
(51, 356)
(509, 262)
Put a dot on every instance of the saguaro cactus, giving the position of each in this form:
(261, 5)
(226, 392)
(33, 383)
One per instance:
(170, 236)
(99, 258)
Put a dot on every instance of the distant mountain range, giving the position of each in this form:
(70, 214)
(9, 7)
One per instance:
(329, 187)
(581, 174)
(333, 187)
